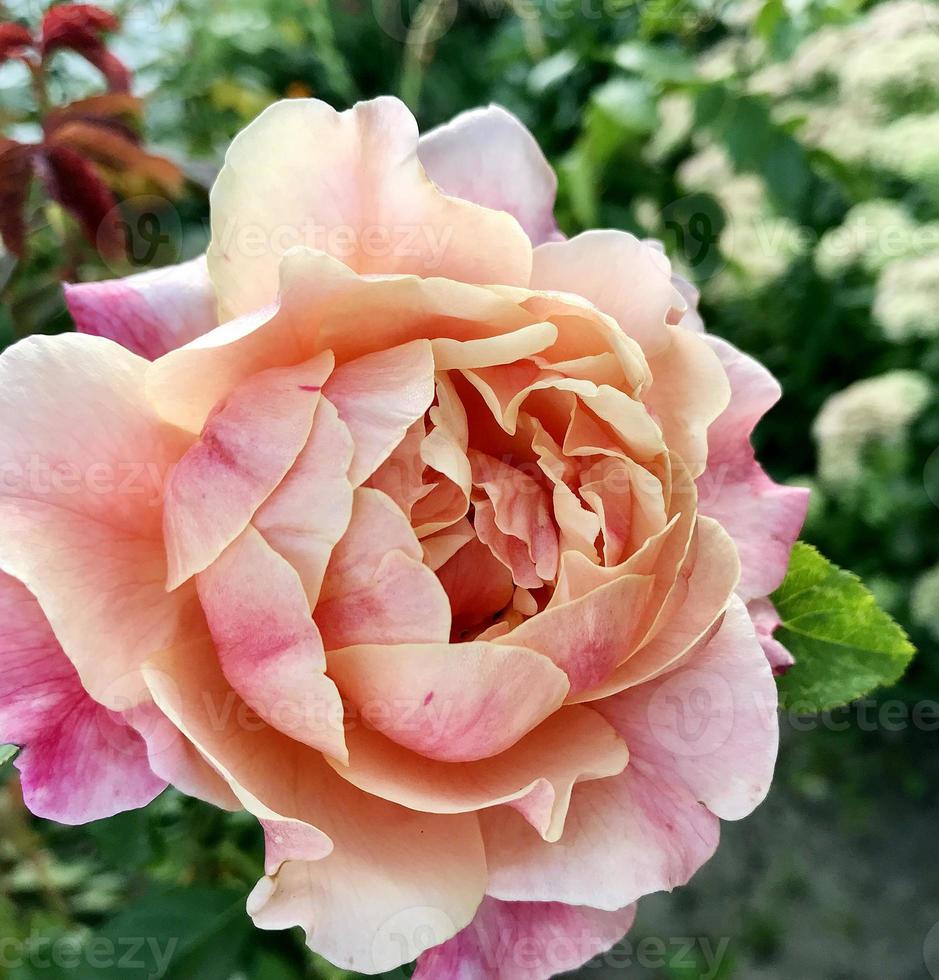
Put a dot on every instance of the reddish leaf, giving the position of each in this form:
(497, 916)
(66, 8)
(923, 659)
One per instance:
(119, 111)
(15, 40)
(78, 27)
(16, 171)
(75, 184)
(123, 162)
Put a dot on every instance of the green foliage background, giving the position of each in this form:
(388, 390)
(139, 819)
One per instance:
(788, 154)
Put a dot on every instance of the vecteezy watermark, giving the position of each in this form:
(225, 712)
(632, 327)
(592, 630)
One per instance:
(148, 954)
(425, 242)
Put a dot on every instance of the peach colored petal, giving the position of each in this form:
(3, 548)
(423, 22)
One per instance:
(491, 351)
(711, 723)
(247, 447)
(706, 586)
(588, 636)
(310, 510)
(176, 760)
(454, 703)
(80, 505)
(379, 396)
(376, 587)
(441, 546)
(271, 775)
(149, 313)
(401, 475)
(535, 776)
(629, 503)
(79, 762)
(397, 883)
(688, 392)
(763, 517)
(478, 586)
(621, 275)
(521, 510)
(487, 156)
(323, 305)
(627, 836)
(268, 646)
(524, 941)
(350, 184)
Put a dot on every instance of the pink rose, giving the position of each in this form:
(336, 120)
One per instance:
(435, 556)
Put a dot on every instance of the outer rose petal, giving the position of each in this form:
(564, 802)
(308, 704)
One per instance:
(79, 505)
(487, 156)
(711, 722)
(349, 183)
(765, 621)
(524, 941)
(328, 844)
(80, 762)
(702, 741)
(149, 313)
(620, 275)
(762, 517)
(455, 703)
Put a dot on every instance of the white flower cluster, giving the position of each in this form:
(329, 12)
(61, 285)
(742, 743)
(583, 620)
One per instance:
(876, 410)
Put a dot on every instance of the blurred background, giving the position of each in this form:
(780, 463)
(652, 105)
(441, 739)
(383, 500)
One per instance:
(787, 152)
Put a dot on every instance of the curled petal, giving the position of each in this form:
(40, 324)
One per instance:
(246, 449)
(454, 703)
(377, 588)
(487, 156)
(535, 776)
(350, 184)
(268, 646)
(379, 396)
(621, 275)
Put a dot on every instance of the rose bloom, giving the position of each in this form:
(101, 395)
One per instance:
(430, 538)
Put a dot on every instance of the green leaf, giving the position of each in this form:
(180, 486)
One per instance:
(7, 754)
(843, 643)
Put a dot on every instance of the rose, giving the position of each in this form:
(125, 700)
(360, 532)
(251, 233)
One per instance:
(509, 476)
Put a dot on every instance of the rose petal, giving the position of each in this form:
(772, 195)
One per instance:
(624, 277)
(79, 505)
(765, 621)
(588, 636)
(487, 156)
(763, 517)
(350, 184)
(149, 313)
(377, 588)
(455, 703)
(246, 448)
(268, 646)
(310, 510)
(711, 722)
(524, 941)
(535, 776)
(80, 762)
(379, 396)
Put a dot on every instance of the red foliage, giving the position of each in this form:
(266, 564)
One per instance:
(74, 183)
(16, 172)
(15, 40)
(79, 27)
